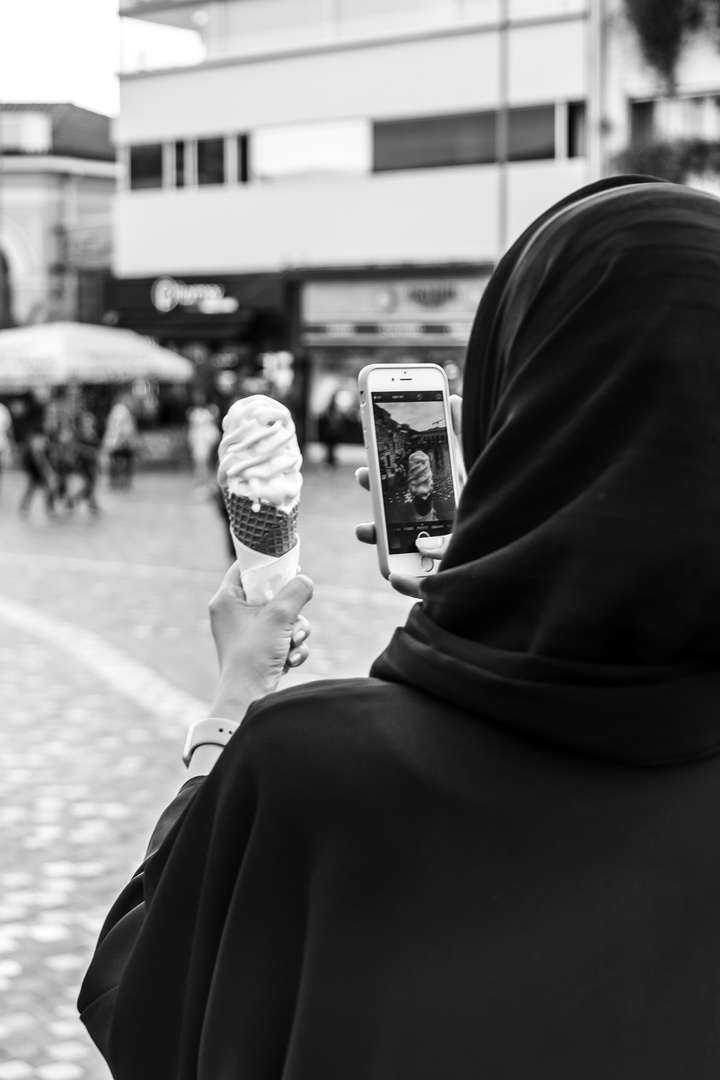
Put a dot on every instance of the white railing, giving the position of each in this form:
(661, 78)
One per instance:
(191, 34)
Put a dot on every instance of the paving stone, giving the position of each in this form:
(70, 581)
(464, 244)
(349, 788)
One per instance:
(15, 1070)
(60, 1070)
(91, 754)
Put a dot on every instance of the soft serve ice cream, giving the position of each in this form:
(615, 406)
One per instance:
(259, 453)
(420, 476)
(260, 478)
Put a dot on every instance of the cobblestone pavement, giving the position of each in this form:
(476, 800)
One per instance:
(105, 657)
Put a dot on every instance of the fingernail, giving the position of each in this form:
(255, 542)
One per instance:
(429, 543)
(300, 636)
(294, 659)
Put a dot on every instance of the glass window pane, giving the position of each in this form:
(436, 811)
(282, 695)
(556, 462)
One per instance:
(254, 23)
(577, 129)
(146, 166)
(531, 134)
(642, 122)
(331, 148)
(693, 117)
(211, 161)
(434, 142)
(150, 46)
(242, 159)
(179, 164)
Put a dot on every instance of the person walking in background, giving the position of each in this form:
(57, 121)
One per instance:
(203, 437)
(61, 449)
(6, 441)
(39, 472)
(330, 429)
(33, 448)
(120, 442)
(87, 457)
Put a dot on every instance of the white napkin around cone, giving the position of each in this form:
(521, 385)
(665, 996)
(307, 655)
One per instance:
(262, 576)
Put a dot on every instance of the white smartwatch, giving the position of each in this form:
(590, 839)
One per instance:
(212, 732)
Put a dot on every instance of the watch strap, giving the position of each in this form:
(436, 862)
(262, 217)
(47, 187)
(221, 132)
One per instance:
(214, 731)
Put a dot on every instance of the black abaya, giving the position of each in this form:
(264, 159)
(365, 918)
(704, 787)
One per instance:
(498, 856)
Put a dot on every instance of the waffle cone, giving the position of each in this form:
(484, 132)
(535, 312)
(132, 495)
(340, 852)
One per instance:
(268, 530)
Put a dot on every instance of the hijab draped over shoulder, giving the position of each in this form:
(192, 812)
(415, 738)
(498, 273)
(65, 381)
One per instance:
(410, 877)
(579, 600)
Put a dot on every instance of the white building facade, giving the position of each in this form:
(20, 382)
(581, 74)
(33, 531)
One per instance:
(57, 184)
(337, 178)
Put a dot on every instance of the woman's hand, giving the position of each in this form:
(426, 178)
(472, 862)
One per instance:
(434, 546)
(256, 644)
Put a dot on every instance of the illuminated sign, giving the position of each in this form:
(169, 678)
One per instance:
(166, 294)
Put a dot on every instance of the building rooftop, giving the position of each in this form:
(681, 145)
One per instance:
(68, 131)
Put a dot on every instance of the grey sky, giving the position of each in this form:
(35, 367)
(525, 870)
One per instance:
(420, 415)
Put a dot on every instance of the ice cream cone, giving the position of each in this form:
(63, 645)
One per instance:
(260, 526)
(260, 479)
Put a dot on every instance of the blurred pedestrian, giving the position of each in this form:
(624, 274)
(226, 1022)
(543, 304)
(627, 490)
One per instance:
(120, 442)
(87, 457)
(33, 444)
(61, 450)
(39, 472)
(6, 442)
(330, 429)
(203, 437)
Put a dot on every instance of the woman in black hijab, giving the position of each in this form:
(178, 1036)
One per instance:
(498, 856)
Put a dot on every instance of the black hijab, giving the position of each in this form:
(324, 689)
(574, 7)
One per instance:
(580, 597)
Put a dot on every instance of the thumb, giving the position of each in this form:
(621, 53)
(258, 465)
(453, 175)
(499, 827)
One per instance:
(292, 598)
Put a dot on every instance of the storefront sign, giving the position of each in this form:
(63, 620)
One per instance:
(433, 295)
(168, 293)
(372, 333)
(417, 311)
(89, 247)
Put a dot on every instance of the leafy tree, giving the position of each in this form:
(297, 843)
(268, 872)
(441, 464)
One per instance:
(664, 26)
(677, 160)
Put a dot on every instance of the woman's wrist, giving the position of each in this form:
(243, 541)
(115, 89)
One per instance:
(232, 702)
(203, 759)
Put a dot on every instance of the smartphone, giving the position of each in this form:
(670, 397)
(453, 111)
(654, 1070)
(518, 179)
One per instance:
(414, 482)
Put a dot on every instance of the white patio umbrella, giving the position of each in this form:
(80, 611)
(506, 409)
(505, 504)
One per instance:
(56, 354)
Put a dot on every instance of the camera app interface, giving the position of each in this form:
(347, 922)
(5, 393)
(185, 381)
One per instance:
(415, 472)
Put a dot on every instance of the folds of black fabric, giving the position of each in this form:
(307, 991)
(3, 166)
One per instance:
(498, 856)
(375, 885)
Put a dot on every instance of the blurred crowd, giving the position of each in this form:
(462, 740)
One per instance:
(63, 446)
(66, 439)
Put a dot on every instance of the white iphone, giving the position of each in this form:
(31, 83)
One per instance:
(414, 484)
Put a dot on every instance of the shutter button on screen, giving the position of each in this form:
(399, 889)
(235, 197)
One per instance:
(426, 563)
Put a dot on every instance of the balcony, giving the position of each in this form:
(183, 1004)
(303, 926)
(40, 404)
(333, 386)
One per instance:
(161, 34)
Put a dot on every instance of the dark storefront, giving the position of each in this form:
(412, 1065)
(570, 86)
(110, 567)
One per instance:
(303, 335)
(348, 320)
(225, 324)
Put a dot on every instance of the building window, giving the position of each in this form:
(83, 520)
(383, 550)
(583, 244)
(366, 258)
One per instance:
(146, 166)
(324, 148)
(690, 117)
(642, 122)
(243, 159)
(211, 161)
(531, 133)
(434, 142)
(576, 129)
(179, 164)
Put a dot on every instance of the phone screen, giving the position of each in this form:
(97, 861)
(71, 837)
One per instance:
(415, 470)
